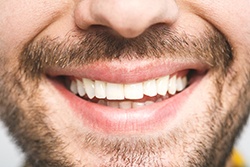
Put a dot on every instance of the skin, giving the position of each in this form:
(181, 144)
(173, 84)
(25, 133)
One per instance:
(43, 123)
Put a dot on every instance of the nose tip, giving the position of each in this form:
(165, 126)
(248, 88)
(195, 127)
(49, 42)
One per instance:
(129, 18)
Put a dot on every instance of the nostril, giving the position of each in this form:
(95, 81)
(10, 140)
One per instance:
(128, 18)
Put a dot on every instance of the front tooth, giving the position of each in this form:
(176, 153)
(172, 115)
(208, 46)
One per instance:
(149, 88)
(80, 88)
(133, 91)
(89, 86)
(162, 85)
(100, 89)
(125, 105)
(114, 91)
(73, 87)
(172, 85)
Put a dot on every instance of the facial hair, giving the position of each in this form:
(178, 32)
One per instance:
(23, 110)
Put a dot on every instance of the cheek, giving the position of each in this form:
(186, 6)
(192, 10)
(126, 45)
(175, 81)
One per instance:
(230, 17)
(21, 21)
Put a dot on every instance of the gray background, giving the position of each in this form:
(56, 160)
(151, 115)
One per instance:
(11, 156)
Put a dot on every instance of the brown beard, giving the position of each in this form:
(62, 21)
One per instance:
(23, 110)
(101, 45)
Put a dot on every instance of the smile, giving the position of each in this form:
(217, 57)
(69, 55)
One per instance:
(115, 101)
(127, 96)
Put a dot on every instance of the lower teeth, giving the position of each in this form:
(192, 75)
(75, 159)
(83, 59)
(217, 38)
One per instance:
(124, 104)
(127, 104)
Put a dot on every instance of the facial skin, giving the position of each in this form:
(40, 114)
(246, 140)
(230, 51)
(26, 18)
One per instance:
(45, 45)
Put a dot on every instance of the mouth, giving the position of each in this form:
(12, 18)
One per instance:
(116, 99)
(128, 96)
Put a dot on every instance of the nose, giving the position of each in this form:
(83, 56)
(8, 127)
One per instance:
(129, 18)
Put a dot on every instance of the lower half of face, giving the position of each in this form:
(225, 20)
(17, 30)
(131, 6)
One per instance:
(127, 110)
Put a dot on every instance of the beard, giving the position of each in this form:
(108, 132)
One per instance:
(205, 139)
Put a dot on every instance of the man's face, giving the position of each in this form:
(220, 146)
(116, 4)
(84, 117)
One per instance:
(125, 83)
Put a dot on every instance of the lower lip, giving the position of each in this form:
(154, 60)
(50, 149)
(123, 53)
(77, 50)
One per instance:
(111, 120)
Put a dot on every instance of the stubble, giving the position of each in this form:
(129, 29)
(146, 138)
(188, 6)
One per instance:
(24, 111)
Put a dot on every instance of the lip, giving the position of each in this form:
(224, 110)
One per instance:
(111, 120)
(127, 72)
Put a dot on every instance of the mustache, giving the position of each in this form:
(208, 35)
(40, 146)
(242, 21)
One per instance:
(80, 48)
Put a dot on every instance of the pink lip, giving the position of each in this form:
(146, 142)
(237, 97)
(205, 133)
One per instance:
(127, 72)
(111, 120)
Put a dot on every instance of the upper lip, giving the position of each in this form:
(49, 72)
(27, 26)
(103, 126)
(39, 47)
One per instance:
(128, 71)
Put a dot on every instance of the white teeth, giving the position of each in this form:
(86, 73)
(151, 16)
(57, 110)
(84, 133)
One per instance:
(163, 86)
(100, 89)
(73, 87)
(181, 83)
(115, 91)
(150, 88)
(184, 83)
(80, 88)
(89, 86)
(172, 85)
(133, 91)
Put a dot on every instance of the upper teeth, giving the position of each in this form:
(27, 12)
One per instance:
(134, 91)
